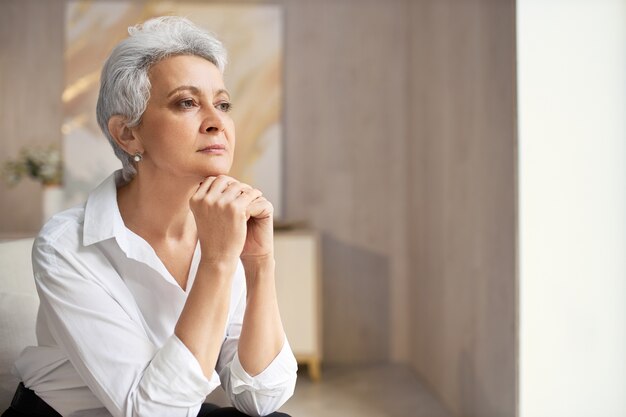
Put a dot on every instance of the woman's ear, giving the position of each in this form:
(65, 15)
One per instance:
(123, 135)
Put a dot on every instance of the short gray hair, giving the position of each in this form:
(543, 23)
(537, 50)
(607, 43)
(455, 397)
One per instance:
(124, 83)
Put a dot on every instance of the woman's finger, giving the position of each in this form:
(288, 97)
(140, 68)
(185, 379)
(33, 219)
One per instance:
(234, 190)
(259, 208)
(203, 188)
(219, 186)
(248, 196)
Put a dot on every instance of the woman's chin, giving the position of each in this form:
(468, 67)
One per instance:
(215, 172)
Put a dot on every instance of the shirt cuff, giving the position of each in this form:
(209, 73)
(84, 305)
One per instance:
(272, 381)
(175, 378)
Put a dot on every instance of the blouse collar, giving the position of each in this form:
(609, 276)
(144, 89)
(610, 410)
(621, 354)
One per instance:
(102, 214)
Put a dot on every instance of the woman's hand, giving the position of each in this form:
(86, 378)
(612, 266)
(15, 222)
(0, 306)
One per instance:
(234, 221)
(260, 234)
(221, 207)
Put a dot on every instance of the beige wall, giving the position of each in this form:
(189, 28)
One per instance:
(463, 203)
(399, 148)
(31, 82)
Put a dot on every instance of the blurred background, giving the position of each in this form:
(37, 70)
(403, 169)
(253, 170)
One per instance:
(457, 166)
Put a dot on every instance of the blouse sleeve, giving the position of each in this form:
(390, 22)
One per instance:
(108, 346)
(266, 392)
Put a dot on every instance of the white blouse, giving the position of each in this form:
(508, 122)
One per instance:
(105, 328)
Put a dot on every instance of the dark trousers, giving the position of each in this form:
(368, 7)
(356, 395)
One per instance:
(27, 404)
(212, 410)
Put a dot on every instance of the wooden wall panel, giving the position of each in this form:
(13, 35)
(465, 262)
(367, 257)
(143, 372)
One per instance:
(31, 82)
(463, 203)
(345, 114)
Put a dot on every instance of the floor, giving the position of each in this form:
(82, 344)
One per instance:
(371, 391)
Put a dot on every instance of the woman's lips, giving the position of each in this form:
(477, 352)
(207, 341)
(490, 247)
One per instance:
(214, 149)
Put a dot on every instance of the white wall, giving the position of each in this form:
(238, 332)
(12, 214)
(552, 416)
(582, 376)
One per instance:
(572, 207)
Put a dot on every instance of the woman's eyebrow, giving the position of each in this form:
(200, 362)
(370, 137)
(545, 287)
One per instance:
(222, 91)
(196, 90)
(191, 88)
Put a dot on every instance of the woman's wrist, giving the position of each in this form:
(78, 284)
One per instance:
(258, 268)
(218, 267)
(258, 262)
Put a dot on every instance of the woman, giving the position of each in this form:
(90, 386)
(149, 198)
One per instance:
(161, 287)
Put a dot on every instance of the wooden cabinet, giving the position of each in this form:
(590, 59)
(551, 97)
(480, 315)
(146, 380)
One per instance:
(298, 284)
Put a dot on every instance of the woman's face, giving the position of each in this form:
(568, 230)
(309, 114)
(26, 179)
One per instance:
(186, 130)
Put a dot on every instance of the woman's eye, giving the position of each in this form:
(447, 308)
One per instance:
(224, 106)
(186, 104)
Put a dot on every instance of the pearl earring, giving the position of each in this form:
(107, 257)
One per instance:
(137, 157)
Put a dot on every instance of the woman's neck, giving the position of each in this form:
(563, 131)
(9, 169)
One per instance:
(158, 208)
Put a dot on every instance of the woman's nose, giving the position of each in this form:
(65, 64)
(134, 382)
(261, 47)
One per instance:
(212, 122)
